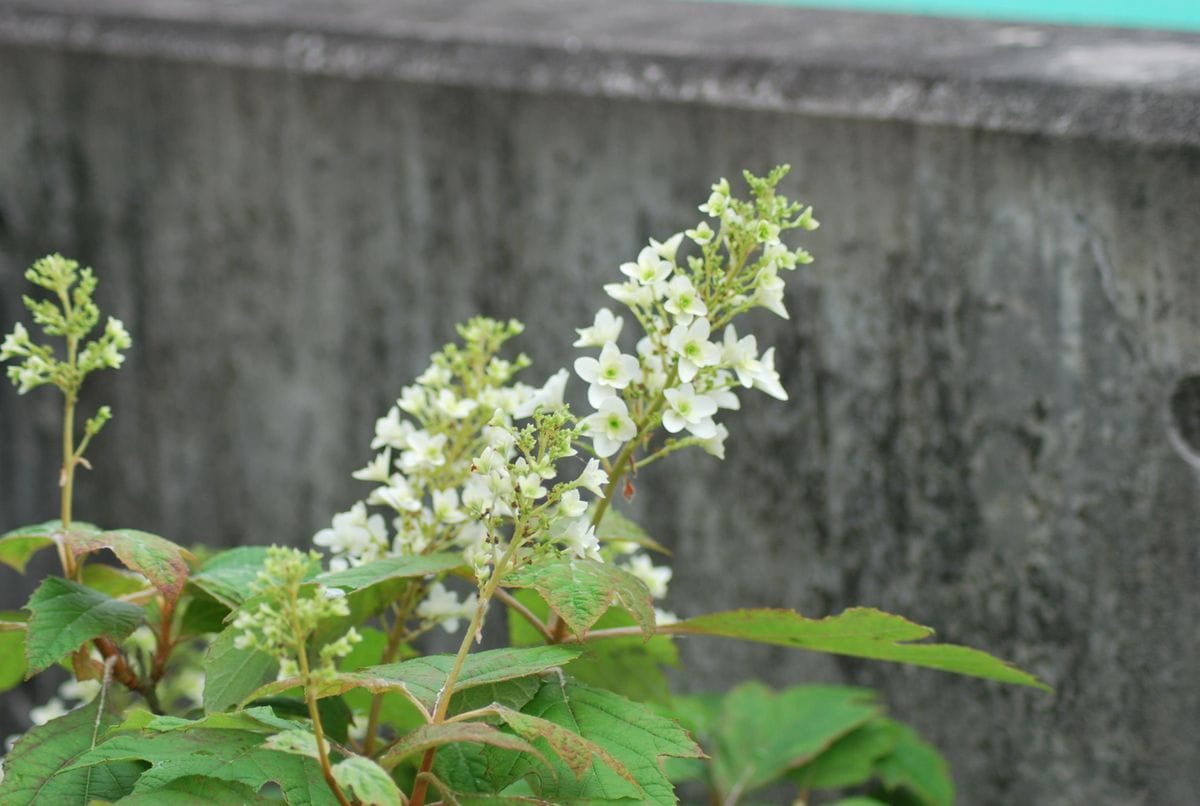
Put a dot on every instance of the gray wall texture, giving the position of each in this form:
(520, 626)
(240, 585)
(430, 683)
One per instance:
(978, 362)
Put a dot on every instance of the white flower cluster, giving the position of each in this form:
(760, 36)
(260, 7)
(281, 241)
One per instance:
(681, 374)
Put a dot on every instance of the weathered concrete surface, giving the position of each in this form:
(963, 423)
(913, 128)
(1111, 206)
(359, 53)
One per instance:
(978, 363)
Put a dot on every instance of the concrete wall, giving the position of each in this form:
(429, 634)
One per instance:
(978, 362)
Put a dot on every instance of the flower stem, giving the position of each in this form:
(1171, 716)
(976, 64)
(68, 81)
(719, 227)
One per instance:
(315, 714)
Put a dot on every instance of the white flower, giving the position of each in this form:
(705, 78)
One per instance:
(664, 617)
(445, 506)
(353, 532)
(53, 709)
(443, 605)
(571, 505)
(613, 370)
(424, 451)
(768, 379)
(741, 355)
(398, 494)
(605, 328)
(435, 375)
(631, 293)
(702, 234)
(667, 249)
(650, 268)
(769, 292)
(550, 396)
(686, 409)
(391, 431)
(654, 576)
(15, 343)
(694, 349)
(718, 201)
(610, 426)
(452, 406)
(579, 536)
(377, 470)
(683, 301)
(593, 478)
(715, 445)
(83, 690)
(413, 400)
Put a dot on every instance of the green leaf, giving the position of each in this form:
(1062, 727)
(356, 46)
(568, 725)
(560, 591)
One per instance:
(158, 559)
(760, 735)
(234, 755)
(389, 569)
(203, 615)
(38, 770)
(581, 591)
(634, 735)
(17, 546)
(232, 674)
(917, 766)
(191, 790)
(427, 736)
(367, 781)
(420, 679)
(615, 527)
(424, 677)
(12, 648)
(850, 760)
(65, 614)
(113, 582)
(628, 665)
(227, 577)
(859, 632)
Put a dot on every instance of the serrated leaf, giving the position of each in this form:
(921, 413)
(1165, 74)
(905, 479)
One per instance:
(760, 734)
(577, 752)
(615, 527)
(192, 790)
(634, 735)
(232, 674)
(630, 665)
(238, 756)
(917, 766)
(19, 545)
(850, 760)
(227, 576)
(65, 614)
(859, 632)
(581, 591)
(389, 569)
(36, 771)
(424, 677)
(156, 558)
(428, 736)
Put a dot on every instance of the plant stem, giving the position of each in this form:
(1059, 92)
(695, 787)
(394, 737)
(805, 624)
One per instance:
(446, 694)
(395, 633)
(315, 714)
(512, 602)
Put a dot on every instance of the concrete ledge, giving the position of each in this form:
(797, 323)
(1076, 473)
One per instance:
(1116, 85)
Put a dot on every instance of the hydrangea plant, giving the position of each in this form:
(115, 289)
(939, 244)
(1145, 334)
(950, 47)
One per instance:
(269, 674)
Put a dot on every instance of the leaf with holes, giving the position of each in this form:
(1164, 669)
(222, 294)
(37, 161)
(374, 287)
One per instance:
(157, 559)
(65, 614)
(37, 769)
(581, 591)
(636, 737)
(429, 736)
(211, 748)
(859, 632)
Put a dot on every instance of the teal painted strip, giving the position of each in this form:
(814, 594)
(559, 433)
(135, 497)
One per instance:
(1181, 15)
